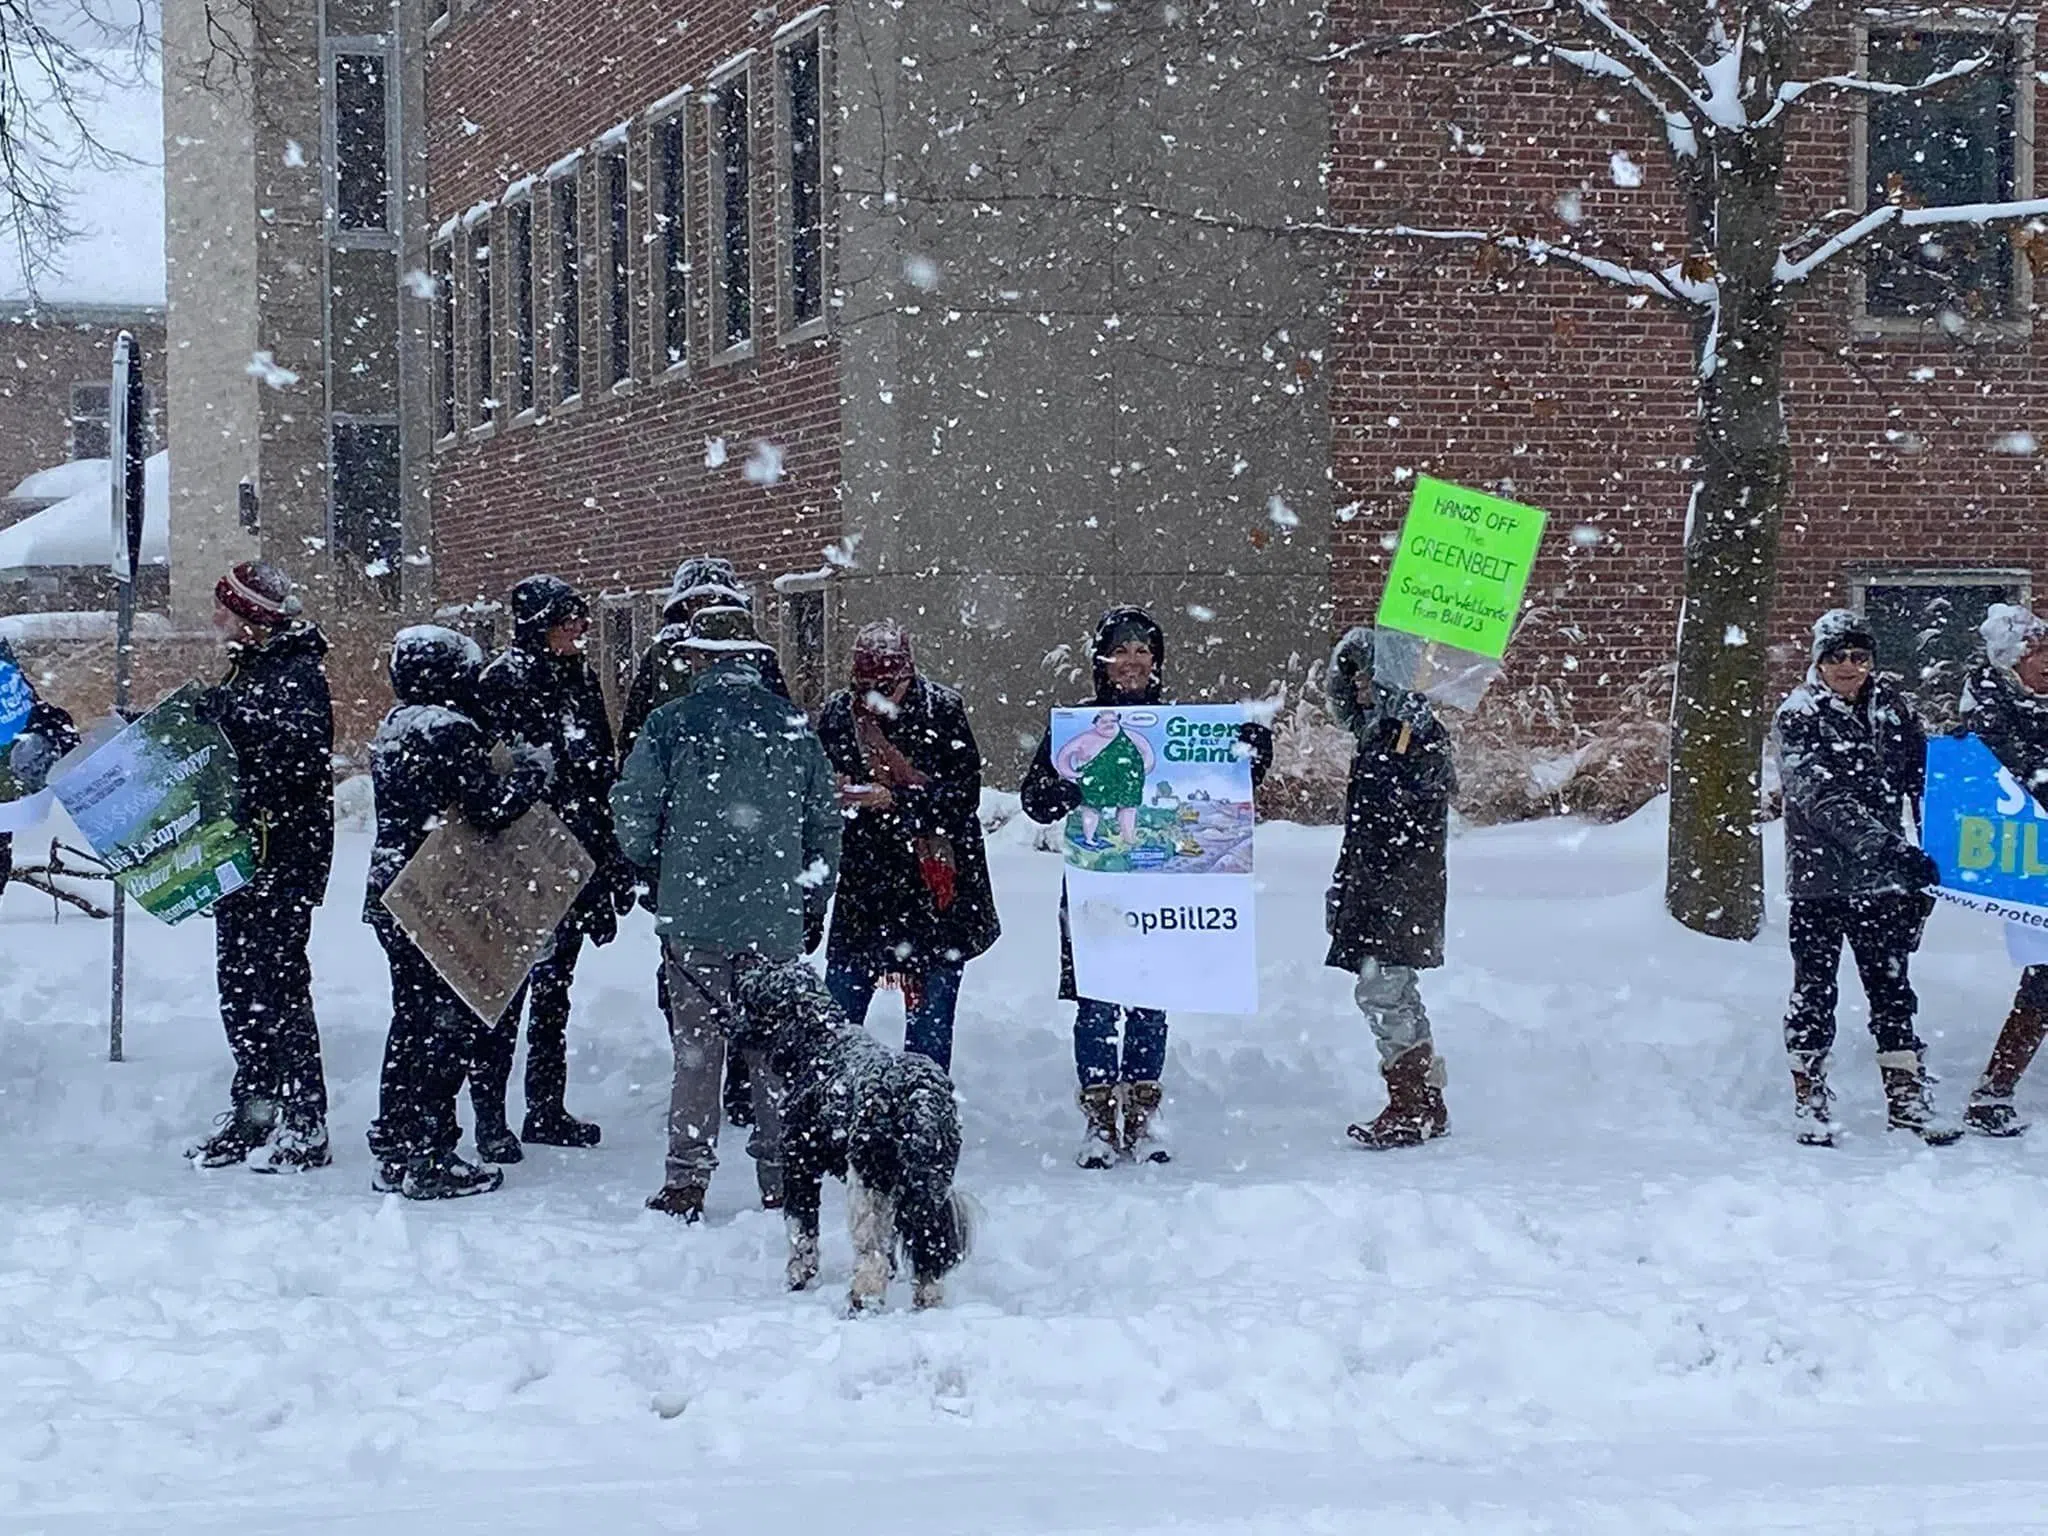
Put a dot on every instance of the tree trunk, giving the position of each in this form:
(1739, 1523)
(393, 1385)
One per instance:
(1719, 710)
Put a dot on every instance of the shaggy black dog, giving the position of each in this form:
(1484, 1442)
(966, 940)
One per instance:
(882, 1120)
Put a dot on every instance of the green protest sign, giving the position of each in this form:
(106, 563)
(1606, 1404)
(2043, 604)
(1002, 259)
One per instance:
(1458, 575)
(157, 803)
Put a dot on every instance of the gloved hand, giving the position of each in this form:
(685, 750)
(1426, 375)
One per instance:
(814, 931)
(1353, 655)
(30, 761)
(624, 881)
(1921, 872)
(601, 925)
(538, 760)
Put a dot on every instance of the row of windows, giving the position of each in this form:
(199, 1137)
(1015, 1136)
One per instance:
(608, 235)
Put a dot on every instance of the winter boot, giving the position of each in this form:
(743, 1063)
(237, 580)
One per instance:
(495, 1142)
(685, 1202)
(1991, 1111)
(1811, 1098)
(444, 1176)
(1415, 1110)
(1141, 1144)
(1905, 1094)
(236, 1134)
(550, 1125)
(389, 1179)
(299, 1145)
(1101, 1147)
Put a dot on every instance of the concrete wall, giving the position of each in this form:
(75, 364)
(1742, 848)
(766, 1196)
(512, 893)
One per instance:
(1058, 396)
(210, 233)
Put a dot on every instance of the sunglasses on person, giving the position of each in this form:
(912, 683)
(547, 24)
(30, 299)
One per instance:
(1855, 656)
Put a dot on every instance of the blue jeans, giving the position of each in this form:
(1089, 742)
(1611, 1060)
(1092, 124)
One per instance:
(927, 1029)
(1095, 1045)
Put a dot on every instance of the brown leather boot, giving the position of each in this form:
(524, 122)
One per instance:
(685, 1202)
(1811, 1098)
(1101, 1146)
(1415, 1110)
(1141, 1103)
(1906, 1102)
(1991, 1111)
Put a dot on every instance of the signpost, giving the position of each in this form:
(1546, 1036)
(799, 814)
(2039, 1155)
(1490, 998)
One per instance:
(1454, 591)
(127, 420)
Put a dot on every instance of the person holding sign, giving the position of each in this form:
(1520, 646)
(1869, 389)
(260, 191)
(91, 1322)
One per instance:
(430, 760)
(275, 711)
(1130, 669)
(915, 903)
(2005, 706)
(1386, 905)
(1853, 761)
(541, 691)
(34, 733)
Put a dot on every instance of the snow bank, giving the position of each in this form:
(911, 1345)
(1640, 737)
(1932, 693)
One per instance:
(62, 480)
(1618, 1299)
(113, 186)
(79, 529)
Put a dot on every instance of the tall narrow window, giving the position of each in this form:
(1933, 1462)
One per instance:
(568, 290)
(618, 256)
(362, 163)
(91, 432)
(519, 225)
(1958, 144)
(804, 179)
(447, 418)
(366, 494)
(485, 338)
(672, 169)
(731, 186)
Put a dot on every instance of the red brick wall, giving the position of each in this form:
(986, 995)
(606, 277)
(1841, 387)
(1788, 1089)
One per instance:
(1500, 372)
(40, 359)
(613, 493)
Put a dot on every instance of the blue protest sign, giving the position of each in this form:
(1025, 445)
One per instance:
(15, 702)
(1988, 834)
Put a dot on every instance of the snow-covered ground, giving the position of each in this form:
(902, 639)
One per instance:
(1617, 1299)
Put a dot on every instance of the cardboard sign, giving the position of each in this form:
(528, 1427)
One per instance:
(1458, 574)
(1988, 834)
(1159, 856)
(483, 906)
(157, 802)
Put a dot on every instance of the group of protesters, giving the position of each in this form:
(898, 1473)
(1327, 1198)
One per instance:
(737, 820)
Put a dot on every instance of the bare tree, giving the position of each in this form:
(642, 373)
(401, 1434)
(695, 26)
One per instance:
(1722, 85)
(54, 58)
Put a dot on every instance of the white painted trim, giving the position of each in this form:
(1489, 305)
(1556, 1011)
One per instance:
(668, 106)
(796, 24)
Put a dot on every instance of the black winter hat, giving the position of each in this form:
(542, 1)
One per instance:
(539, 603)
(433, 665)
(1112, 630)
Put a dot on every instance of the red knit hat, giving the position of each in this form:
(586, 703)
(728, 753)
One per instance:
(258, 593)
(882, 652)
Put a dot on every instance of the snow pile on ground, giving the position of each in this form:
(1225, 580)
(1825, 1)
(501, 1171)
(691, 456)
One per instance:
(62, 480)
(79, 530)
(1616, 1299)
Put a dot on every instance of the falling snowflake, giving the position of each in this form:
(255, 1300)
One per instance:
(764, 464)
(714, 453)
(264, 366)
(1626, 172)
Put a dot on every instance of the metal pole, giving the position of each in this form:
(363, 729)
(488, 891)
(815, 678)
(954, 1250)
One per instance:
(125, 446)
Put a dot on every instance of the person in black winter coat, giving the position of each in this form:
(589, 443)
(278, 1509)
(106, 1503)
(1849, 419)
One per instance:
(1129, 656)
(1853, 762)
(914, 901)
(1386, 904)
(2005, 706)
(430, 759)
(275, 711)
(45, 736)
(541, 692)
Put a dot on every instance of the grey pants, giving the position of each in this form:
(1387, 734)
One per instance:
(700, 993)
(1390, 997)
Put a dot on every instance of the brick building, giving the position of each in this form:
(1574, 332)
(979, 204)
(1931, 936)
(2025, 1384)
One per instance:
(1914, 387)
(891, 293)
(772, 281)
